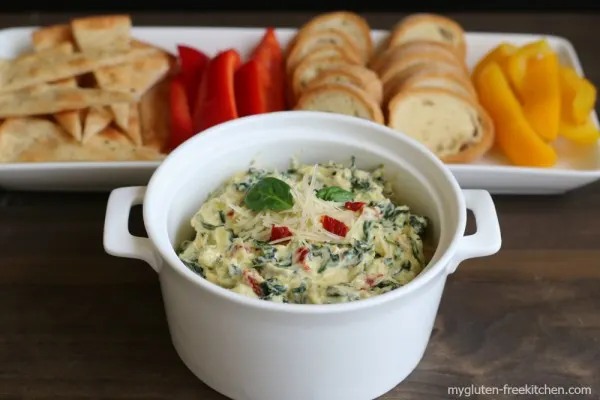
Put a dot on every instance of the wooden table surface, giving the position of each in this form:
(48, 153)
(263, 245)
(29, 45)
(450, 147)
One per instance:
(76, 323)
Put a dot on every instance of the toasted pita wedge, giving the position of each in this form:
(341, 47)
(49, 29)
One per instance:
(154, 116)
(69, 120)
(40, 140)
(103, 32)
(96, 120)
(43, 55)
(133, 129)
(149, 71)
(97, 33)
(53, 36)
(51, 65)
(116, 78)
(56, 99)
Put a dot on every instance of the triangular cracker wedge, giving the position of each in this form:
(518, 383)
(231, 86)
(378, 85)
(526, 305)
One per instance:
(51, 36)
(44, 39)
(51, 65)
(40, 140)
(148, 71)
(173, 61)
(102, 32)
(108, 32)
(96, 119)
(116, 78)
(69, 120)
(56, 99)
(154, 116)
(134, 130)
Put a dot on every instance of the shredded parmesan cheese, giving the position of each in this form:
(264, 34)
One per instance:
(303, 219)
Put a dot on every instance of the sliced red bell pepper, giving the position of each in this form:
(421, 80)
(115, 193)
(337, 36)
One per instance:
(268, 53)
(216, 98)
(181, 119)
(251, 93)
(192, 65)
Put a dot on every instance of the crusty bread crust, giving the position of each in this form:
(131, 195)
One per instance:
(474, 150)
(302, 75)
(370, 79)
(412, 21)
(397, 53)
(424, 58)
(322, 51)
(353, 77)
(428, 74)
(419, 60)
(307, 41)
(398, 73)
(334, 19)
(346, 90)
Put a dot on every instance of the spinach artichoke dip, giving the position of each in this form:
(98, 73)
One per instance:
(314, 234)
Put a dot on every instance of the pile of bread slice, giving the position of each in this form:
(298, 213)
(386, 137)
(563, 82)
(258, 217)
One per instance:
(326, 67)
(426, 92)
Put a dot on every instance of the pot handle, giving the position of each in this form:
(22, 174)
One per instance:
(487, 240)
(117, 239)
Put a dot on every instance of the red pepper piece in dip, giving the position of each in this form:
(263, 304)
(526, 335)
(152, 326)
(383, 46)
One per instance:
(354, 205)
(334, 226)
(279, 232)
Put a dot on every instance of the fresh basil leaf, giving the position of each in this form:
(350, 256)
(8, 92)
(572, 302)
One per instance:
(269, 194)
(334, 193)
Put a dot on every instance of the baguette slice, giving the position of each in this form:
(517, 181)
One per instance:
(417, 60)
(397, 53)
(355, 26)
(310, 68)
(346, 76)
(395, 86)
(453, 127)
(395, 77)
(311, 41)
(441, 80)
(341, 98)
(430, 27)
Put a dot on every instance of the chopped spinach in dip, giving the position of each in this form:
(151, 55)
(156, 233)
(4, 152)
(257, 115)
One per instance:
(314, 234)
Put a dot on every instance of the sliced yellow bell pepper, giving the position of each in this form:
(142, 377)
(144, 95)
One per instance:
(540, 95)
(514, 136)
(515, 65)
(585, 134)
(499, 55)
(578, 96)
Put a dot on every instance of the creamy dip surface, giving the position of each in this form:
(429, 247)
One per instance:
(314, 234)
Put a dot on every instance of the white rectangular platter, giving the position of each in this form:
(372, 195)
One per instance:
(576, 167)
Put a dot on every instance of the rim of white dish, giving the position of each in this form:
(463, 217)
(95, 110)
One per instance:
(169, 255)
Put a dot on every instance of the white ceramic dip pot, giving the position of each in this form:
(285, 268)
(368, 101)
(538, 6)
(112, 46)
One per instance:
(250, 349)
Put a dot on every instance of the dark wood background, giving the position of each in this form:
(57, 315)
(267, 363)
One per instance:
(76, 323)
